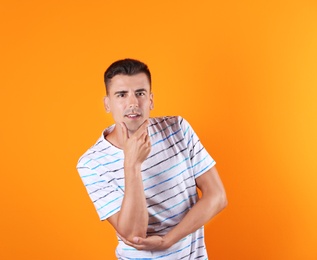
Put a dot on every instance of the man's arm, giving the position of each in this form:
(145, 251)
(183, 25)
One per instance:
(212, 201)
(132, 219)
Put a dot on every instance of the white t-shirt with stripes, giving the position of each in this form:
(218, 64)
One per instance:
(176, 159)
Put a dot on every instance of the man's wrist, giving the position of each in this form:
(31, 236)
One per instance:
(132, 167)
(167, 243)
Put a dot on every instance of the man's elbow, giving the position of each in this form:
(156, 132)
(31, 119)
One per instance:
(221, 201)
(132, 233)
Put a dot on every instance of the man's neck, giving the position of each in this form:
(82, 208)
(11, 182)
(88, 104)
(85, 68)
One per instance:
(115, 138)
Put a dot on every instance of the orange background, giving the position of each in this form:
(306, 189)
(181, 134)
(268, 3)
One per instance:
(243, 73)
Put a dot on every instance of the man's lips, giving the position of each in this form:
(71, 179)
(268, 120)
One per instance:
(132, 115)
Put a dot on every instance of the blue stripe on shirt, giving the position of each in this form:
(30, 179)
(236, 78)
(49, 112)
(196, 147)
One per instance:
(109, 202)
(166, 179)
(162, 140)
(163, 129)
(106, 164)
(89, 184)
(110, 212)
(166, 170)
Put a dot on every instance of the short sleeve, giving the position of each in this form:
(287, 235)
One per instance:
(200, 159)
(106, 197)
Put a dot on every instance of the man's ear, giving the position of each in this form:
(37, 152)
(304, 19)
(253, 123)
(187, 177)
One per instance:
(106, 103)
(151, 102)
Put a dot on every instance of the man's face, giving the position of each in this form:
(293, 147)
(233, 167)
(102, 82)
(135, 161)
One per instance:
(129, 100)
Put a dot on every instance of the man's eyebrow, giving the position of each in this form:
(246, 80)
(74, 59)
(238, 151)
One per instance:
(121, 92)
(140, 90)
(126, 91)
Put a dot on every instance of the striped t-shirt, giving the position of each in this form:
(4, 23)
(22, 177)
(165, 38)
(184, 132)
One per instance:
(176, 159)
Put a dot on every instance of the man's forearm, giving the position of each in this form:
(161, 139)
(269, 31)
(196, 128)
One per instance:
(213, 200)
(204, 210)
(133, 216)
(132, 219)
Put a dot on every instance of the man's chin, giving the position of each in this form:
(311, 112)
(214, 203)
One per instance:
(134, 125)
(132, 128)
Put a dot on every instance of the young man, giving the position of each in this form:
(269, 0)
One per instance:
(143, 173)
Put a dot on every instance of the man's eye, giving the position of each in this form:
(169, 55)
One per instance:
(120, 95)
(140, 94)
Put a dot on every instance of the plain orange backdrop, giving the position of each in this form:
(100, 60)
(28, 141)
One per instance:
(243, 73)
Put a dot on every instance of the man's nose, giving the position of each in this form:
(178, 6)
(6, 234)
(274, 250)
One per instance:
(133, 101)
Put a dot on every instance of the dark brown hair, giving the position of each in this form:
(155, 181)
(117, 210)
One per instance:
(125, 67)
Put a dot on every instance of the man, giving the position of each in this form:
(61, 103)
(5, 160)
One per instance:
(143, 173)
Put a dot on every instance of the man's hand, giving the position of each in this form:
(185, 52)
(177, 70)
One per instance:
(149, 243)
(137, 146)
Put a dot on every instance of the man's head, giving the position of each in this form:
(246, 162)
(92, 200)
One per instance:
(127, 67)
(129, 98)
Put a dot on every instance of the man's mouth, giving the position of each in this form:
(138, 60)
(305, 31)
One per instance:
(133, 115)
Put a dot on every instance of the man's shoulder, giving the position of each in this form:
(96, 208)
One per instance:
(93, 151)
(166, 120)
(101, 146)
(174, 122)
